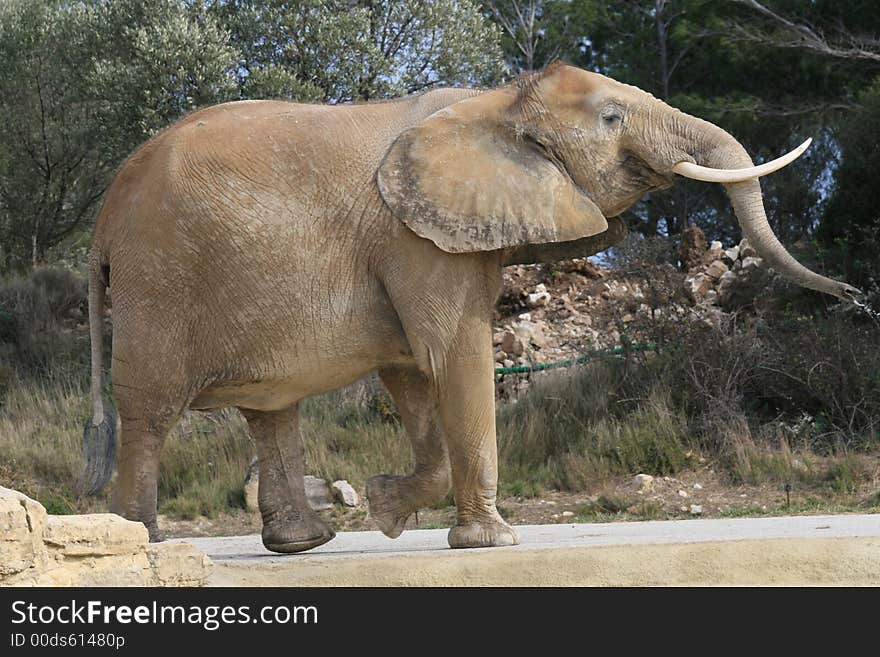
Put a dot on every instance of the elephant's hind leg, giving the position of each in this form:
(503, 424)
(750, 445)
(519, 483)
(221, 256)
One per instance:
(146, 422)
(393, 499)
(289, 523)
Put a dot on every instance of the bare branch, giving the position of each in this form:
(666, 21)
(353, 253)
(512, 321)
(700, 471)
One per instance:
(804, 37)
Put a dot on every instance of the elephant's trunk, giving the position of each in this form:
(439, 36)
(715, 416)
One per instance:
(715, 148)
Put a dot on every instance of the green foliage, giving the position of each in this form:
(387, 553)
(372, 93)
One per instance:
(82, 83)
(203, 465)
(38, 314)
(575, 428)
(339, 50)
(851, 227)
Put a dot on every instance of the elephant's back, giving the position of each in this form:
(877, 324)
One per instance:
(248, 168)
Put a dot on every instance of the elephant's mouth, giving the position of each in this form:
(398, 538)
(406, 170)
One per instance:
(643, 176)
(638, 178)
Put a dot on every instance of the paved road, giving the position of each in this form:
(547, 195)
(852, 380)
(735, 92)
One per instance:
(823, 550)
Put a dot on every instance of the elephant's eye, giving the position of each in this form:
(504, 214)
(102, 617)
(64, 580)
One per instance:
(611, 118)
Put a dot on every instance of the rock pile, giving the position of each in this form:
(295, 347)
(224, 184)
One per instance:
(319, 494)
(728, 278)
(555, 312)
(100, 549)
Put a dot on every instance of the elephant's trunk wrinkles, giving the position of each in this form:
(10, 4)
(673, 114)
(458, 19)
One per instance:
(715, 148)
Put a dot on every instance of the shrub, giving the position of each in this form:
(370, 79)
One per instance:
(574, 428)
(38, 315)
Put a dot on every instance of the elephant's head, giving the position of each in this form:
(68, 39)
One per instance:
(549, 157)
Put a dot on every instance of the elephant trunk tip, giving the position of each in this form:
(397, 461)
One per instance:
(99, 450)
(850, 293)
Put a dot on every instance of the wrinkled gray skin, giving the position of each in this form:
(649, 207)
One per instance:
(261, 252)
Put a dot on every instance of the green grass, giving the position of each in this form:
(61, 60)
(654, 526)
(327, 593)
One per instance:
(571, 430)
(808, 507)
(608, 508)
(203, 465)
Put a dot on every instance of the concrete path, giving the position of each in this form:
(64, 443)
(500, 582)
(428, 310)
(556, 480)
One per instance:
(800, 550)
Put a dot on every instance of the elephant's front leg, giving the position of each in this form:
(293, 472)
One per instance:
(393, 499)
(289, 523)
(467, 411)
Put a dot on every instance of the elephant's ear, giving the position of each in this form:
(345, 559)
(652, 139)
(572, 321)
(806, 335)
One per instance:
(468, 180)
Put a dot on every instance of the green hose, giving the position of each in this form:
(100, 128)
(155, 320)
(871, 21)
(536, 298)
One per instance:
(522, 369)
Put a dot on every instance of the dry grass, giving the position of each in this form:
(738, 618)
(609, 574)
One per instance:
(205, 457)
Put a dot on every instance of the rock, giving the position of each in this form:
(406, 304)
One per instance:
(582, 266)
(742, 286)
(644, 482)
(711, 298)
(716, 246)
(178, 564)
(508, 363)
(696, 510)
(567, 514)
(318, 493)
(693, 246)
(252, 487)
(22, 523)
(511, 344)
(698, 487)
(530, 332)
(682, 493)
(725, 287)
(100, 549)
(540, 297)
(345, 493)
(746, 250)
(697, 286)
(507, 340)
(497, 338)
(731, 255)
(716, 270)
(711, 316)
(752, 262)
(94, 535)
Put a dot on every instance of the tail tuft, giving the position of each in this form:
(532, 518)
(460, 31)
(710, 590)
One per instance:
(99, 451)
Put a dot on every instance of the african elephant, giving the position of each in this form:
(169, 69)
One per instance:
(260, 252)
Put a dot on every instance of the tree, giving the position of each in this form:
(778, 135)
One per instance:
(84, 82)
(693, 55)
(843, 36)
(537, 32)
(81, 84)
(343, 50)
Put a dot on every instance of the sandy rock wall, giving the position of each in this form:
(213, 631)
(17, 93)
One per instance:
(100, 549)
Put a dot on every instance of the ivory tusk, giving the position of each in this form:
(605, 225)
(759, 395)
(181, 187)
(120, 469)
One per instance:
(707, 174)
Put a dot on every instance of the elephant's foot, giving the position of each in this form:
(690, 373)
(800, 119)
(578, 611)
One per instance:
(156, 536)
(133, 513)
(288, 536)
(492, 532)
(389, 508)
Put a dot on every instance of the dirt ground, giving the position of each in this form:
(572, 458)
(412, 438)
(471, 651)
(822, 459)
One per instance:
(700, 493)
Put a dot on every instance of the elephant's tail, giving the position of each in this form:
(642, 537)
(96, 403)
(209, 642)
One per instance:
(99, 433)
